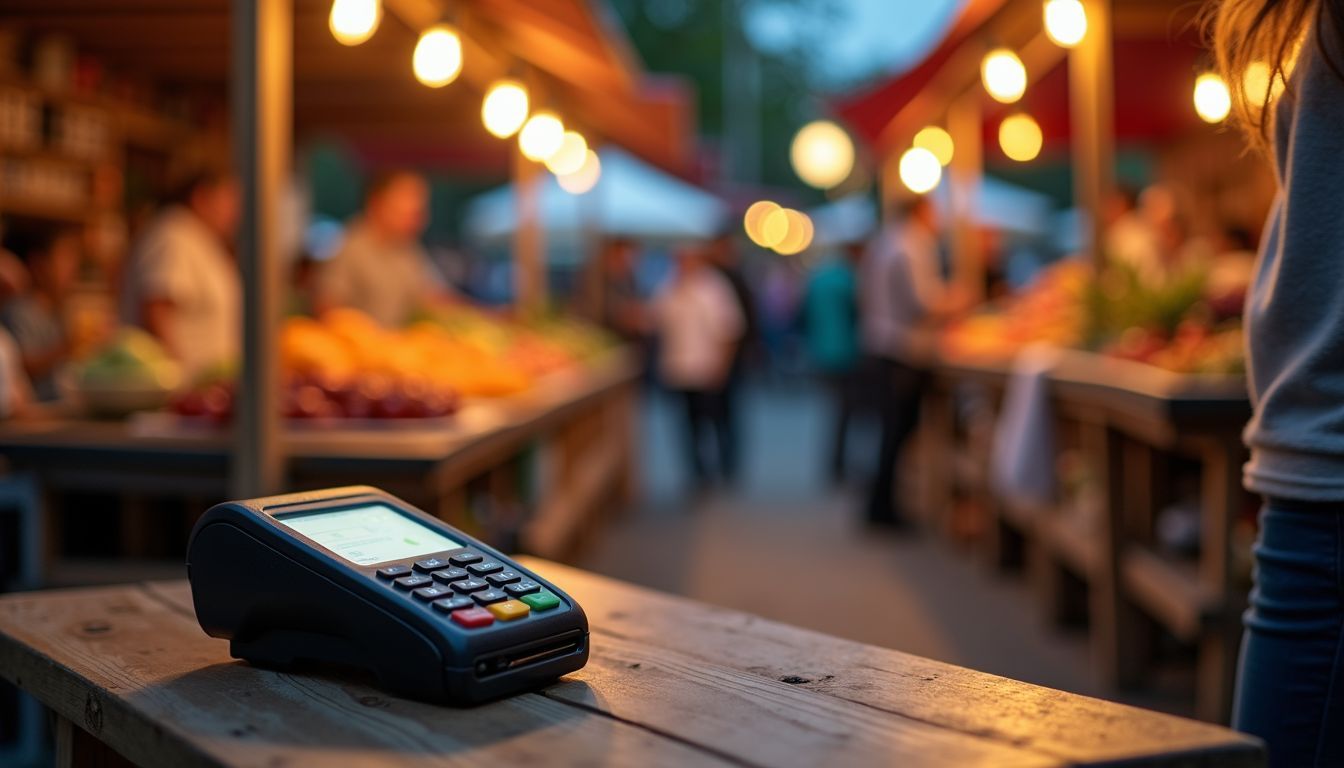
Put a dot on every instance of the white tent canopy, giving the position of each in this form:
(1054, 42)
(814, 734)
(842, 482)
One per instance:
(631, 199)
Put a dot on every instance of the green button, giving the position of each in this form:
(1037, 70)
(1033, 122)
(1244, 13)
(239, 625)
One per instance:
(542, 601)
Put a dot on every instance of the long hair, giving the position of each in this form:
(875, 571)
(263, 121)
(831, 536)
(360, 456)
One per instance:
(1253, 33)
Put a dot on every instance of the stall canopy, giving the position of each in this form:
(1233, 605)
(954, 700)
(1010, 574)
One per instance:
(1156, 45)
(572, 57)
(631, 199)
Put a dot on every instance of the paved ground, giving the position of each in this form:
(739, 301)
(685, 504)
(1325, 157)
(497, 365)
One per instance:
(785, 546)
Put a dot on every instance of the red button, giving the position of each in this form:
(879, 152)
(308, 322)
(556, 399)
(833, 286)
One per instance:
(472, 618)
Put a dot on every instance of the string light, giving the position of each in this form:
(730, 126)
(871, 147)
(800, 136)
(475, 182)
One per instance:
(754, 218)
(1003, 75)
(1065, 22)
(504, 109)
(797, 235)
(571, 155)
(1213, 102)
(438, 56)
(354, 21)
(937, 141)
(919, 170)
(822, 154)
(541, 136)
(1020, 137)
(585, 178)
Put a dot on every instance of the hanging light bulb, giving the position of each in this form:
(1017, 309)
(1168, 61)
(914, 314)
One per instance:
(571, 155)
(584, 179)
(754, 218)
(1065, 22)
(919, 170)
(1003, 75)
(798, 236)
(1213, 102)
(1020, 137)
(937, 141)
(541, 136)
(1256, 83)
(438, 56)
(822, 154)
(504, 109)
(354, 21)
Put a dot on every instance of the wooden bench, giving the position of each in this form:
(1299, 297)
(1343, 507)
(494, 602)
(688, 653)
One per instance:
(670, 682)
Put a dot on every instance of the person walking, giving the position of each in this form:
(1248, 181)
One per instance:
(903, 296)
(699, 328)
(1290, 687)
(831, 323)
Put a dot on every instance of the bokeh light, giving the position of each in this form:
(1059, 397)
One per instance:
(504, 109)
(1213, 102)
(570, 156)
(754, 218)
(1020, 137)
(822, 154)
(937, 141)
(585, 178)
(798, 232)
(438, 56)
(1065, 22)
(541, 136)
(1003, 75)
(354, 21)
(1256, 84)
(919, 170)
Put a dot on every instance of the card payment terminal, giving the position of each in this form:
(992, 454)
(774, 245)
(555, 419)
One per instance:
(356, 577)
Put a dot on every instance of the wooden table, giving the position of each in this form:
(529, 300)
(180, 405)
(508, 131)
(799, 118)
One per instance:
(582, 421)
(670, 682)
(1130, 419)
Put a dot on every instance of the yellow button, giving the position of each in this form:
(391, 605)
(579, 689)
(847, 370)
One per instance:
(509, 610)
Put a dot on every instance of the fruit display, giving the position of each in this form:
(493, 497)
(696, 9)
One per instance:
(345, 365)
(1188, 323)
(132, 373)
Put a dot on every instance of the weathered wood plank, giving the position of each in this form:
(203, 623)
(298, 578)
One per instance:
(1074, 728)
(141, 677)
(744, 716)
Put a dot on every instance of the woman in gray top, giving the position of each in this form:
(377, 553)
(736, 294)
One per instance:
(1290, 689)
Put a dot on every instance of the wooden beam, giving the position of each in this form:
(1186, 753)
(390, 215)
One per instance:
(529, 244)
(964, 120)
(261, 102)
(1091, 100)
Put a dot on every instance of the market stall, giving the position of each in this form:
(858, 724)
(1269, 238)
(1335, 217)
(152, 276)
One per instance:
(1126, 435)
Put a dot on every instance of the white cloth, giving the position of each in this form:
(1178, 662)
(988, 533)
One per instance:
(386, 281)
(181, 261)
(899, 282)
(1022, 458)
(698, 318)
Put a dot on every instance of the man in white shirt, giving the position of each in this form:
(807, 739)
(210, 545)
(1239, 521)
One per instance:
(902, 295)
(182, 282)
(699, 326)
(380, 268)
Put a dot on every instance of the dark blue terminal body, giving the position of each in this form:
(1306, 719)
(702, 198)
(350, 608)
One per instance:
(356, 577)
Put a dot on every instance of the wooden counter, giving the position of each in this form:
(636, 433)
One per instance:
(670, 682)
(1130, 419)
(587, 412)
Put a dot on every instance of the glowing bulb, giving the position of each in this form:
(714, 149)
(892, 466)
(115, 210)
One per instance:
(1065, 22)
(571, 155)
(775, 227)
(1256, 84)
(354, 21)
(753, 219)
(1212, 100)
(920, 171)
(438, 56)
(585, 178)
(1020, 137)
(541, 136)
(504, 109)
(822, 154)
(797, 236)
(937, 141)
(1003, 75)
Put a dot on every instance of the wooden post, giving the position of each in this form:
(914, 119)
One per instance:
(261, 106)
(1091, 66)
(529, 244)
(964, 124)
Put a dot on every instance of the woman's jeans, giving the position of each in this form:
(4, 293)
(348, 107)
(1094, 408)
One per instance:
(1290, 685)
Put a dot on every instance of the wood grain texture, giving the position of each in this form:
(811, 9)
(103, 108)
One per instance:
(1074, 729)
(139, 675)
